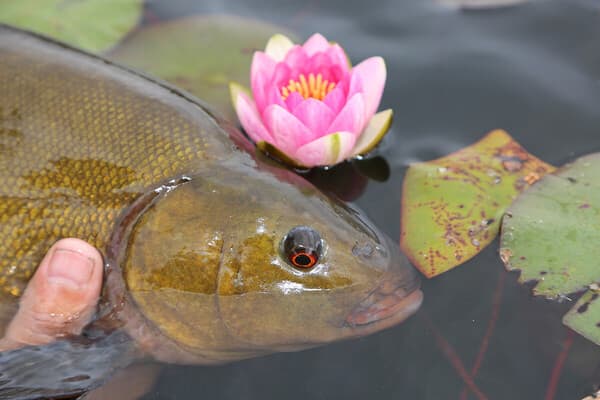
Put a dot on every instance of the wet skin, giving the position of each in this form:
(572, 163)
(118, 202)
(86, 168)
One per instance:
(191, 227)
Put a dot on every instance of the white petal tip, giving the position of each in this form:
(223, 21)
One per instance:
(375, 131)
(278, 46)
(235, 89)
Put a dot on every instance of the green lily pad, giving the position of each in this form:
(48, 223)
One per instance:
(93, 25)
(451, 207)
(584, 317)
(200, 54)
(551, 232)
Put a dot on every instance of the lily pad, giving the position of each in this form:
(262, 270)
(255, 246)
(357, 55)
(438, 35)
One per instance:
(552, 233)
(584, 317)
(451, 207)
(200, 54)
(93, 25)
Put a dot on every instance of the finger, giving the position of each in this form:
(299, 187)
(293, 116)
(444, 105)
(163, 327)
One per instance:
(60, 298)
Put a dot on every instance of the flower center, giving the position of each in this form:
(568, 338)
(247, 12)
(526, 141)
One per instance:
(315, 87)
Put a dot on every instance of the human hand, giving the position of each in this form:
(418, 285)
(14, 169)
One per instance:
(60, 300)
(61, 297)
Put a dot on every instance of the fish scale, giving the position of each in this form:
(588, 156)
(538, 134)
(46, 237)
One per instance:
(76, 148)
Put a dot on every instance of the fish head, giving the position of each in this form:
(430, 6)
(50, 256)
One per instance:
(243, 262)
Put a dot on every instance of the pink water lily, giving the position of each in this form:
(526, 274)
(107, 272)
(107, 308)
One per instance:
(309, 106)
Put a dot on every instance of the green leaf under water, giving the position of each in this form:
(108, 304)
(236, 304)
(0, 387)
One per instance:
(200, 54)
(451, 207)
(552, 233)
(93, 25)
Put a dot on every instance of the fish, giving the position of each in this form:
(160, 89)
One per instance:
(212, 253)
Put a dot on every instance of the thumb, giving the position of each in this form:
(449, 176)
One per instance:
(60, 298)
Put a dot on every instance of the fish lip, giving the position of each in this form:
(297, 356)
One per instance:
(391, 302)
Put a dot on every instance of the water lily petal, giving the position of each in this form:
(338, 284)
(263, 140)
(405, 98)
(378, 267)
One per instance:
(273, 96)
(335, 99)
(376, 129)
(316, 116)
(369, 77)
(321, 63)
(316, 44)
(278, 46)
(293, 101)
(352, 116)
(297, 60)
(261, 64)
(338, 56)
(286, 130)
(281, 75)
(326, 150)
(261, 76)
(248, 115)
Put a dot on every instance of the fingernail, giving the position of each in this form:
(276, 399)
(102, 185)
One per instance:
(70, 266)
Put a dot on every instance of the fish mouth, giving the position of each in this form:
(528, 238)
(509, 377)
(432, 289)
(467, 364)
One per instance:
(390, 303)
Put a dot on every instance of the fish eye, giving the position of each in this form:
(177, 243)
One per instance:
(302, 247)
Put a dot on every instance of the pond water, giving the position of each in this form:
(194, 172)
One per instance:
(453, 75)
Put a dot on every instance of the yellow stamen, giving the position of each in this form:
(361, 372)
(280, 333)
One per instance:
(315, 87)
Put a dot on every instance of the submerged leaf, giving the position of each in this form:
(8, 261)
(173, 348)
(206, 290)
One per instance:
(200, 54)
(451, 207)
(93, 25)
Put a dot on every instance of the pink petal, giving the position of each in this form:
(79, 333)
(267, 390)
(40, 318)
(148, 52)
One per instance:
(281, 76)
(261, 64)
(316, 44)
(286, 129)
(261, 77)
(369, 78)
(273, 96)
(335, 99)
(296, 58)
(250, 119)
(316, 116)
(352, 116)
(326, 150)
(355, 84)
(266, 88)
(319, 63)
(293, 101)
(338, 57)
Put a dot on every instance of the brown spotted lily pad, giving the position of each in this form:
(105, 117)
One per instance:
(551, 234)
(452, 206)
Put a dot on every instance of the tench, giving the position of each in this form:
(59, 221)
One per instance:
(211, 255)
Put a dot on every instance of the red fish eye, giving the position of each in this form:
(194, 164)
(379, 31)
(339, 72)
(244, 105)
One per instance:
(303, 259)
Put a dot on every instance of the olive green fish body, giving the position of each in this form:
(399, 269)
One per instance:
(79, 141)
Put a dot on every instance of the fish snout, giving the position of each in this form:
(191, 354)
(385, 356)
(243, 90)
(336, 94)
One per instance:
(397, 293)
(392, 298)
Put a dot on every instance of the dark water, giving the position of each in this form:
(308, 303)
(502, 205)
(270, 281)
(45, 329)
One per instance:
(453, 75)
